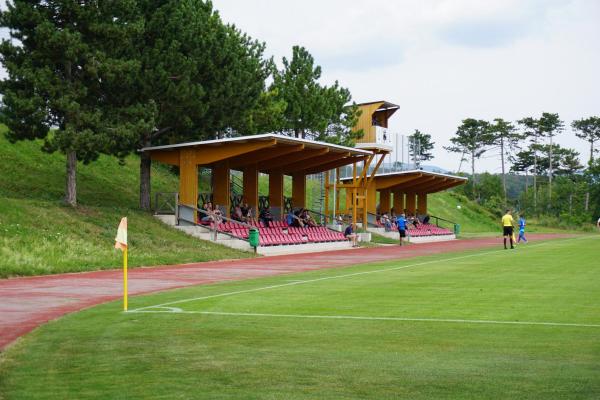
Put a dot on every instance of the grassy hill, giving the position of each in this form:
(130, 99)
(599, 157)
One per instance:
(40, 236)
(473, 218)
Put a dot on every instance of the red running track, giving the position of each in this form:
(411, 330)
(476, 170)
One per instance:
(29, 302)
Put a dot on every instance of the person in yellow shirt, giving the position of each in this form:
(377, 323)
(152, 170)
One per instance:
(507, 228)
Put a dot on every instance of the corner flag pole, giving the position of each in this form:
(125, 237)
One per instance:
(121, 243)
(125, 294)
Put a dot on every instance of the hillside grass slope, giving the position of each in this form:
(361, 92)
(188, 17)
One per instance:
(38, 235)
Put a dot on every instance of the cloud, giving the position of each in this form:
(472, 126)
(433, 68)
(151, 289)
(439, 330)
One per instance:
(483, 34)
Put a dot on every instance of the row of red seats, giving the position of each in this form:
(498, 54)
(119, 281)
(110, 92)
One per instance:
(274, 238)
(425, 230)
(326, 237)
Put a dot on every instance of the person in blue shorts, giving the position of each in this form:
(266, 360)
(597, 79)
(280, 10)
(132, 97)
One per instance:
(401, 224)
(522, 229)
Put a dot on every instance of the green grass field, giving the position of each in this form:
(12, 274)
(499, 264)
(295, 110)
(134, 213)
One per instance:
(38, 235)
(478, 325)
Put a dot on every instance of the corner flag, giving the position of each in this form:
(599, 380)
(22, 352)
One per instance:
(121, 243)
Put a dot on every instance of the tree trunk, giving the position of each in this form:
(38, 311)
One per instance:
(473, 173)
(550, 175)
(587, 201)
(503, 172)
(534, 181)
(571, 204)
(591, 152)
(145, 168)
(71, 184)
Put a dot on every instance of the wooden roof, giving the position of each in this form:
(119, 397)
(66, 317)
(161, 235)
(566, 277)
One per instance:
(415, 181)
(269, 152)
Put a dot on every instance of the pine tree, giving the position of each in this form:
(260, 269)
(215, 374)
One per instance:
(551, 125)
(505, 137)
(532, 132)
(419, 147)
(198, 78)
(312, 110)
(58, 66)
(588, 129)
(472, 137)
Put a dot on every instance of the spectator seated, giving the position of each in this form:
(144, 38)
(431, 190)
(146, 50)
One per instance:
(280, 233)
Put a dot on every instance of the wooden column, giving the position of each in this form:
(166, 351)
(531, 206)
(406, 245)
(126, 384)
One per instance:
(188, 177)
(251, 186)
(299, 189)
(422, 203)
(411, 203)
(354, 208)
(349, 194)
(221, 186)
(371, 199)
(336, 207)
(326, 205)
(384, 201)
(276, 194)
(398, 202)
(370, 196)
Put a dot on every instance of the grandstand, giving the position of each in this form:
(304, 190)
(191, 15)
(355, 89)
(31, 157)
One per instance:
(273, 155)
(406, 192)
(278, 156)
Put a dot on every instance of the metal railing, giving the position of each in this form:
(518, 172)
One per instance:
(213, 227)
(165, 203)
(438, 219)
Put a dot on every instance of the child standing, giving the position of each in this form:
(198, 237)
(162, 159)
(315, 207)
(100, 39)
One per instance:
(521, 229)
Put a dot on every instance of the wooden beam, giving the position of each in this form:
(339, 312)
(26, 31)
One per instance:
(411, 202)
(264, 155)
(315, 162)
(221, 186)
(250, 181)
(390, 182)
(299, 189)
(334, 164)
(384, 200)
(422, 203)
(207, 155)
(425, 187)
(398, 202)
(280, 162)
(276, 193)
(416, 185)
(442, 186)
(370, 202)
(165, 156)
(375, 169)
(188, 178)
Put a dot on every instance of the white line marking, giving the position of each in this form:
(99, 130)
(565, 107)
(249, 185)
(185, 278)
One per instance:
(340, 276)
(350, 317)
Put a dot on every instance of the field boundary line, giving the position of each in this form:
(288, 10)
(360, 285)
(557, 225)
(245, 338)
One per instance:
(226, 294)
(366, 318)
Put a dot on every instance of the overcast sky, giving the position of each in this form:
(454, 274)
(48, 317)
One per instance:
(443, 61)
